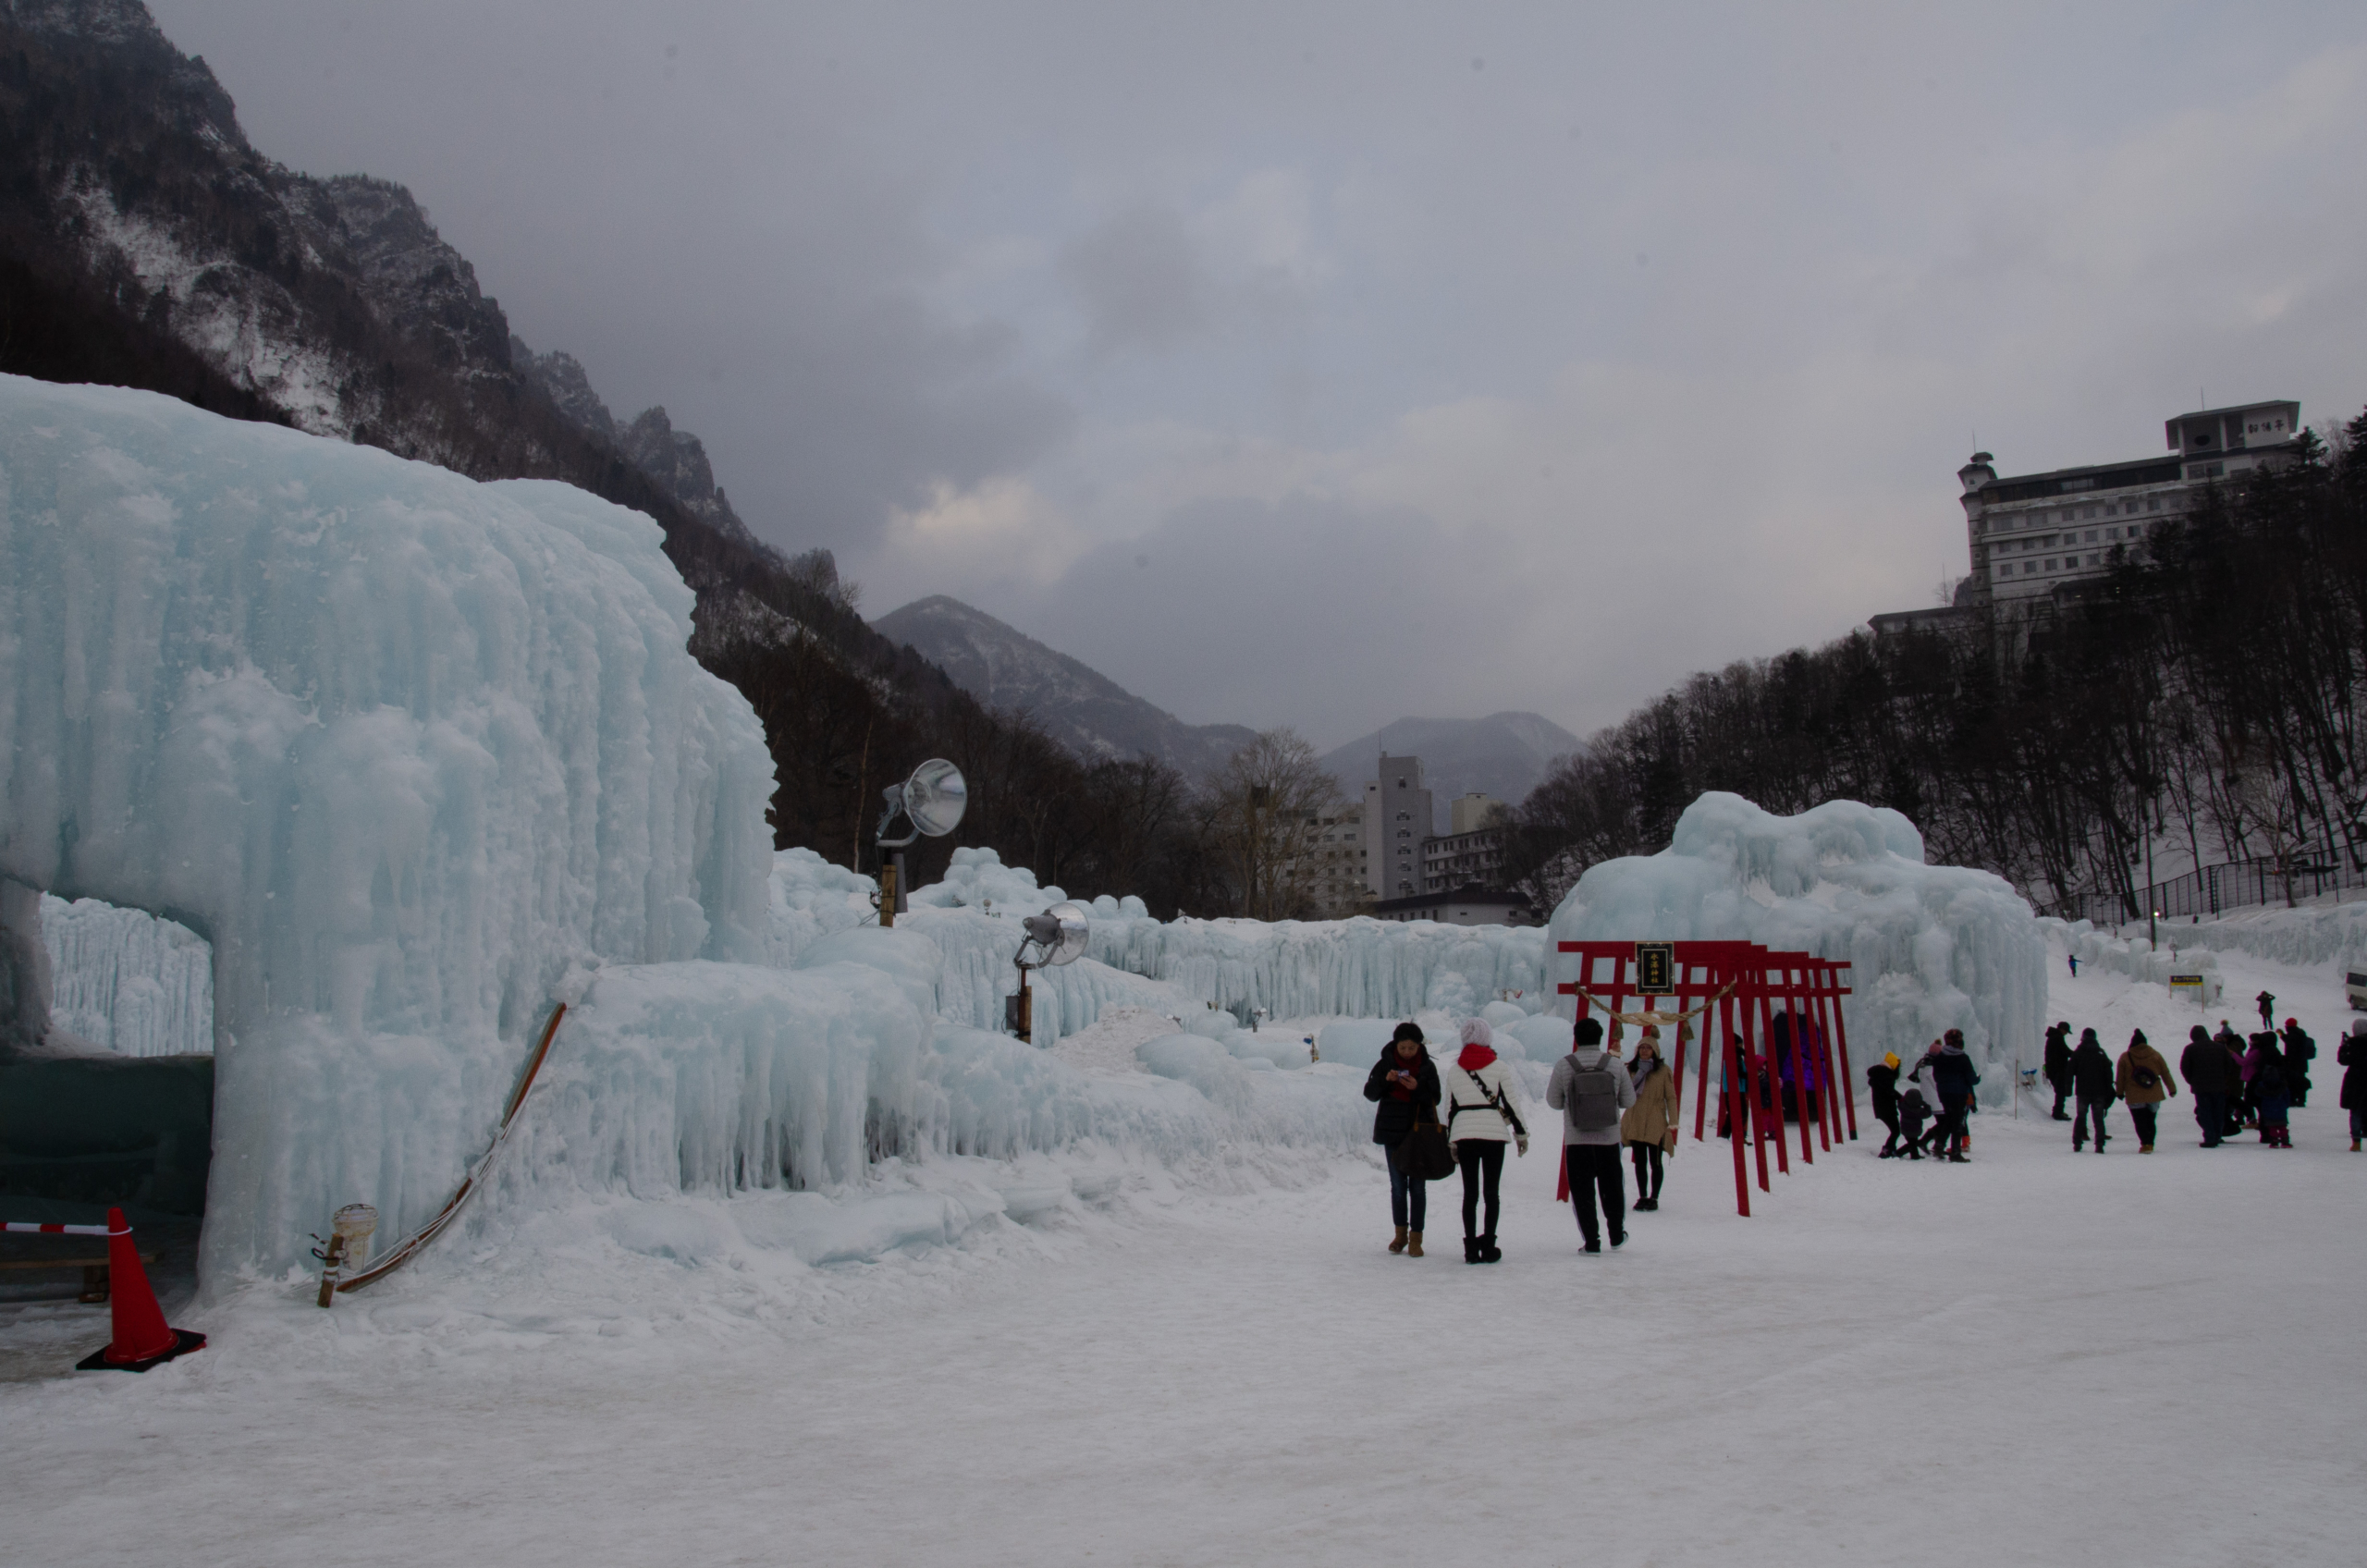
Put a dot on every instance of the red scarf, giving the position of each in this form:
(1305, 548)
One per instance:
(1401, 1064)
(1474, 1057)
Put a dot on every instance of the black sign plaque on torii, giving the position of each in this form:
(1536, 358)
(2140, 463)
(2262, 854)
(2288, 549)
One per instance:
(1656, 968)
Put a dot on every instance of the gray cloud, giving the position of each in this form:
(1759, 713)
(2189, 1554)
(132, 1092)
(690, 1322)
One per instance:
(1371, 371)
(1139, 280)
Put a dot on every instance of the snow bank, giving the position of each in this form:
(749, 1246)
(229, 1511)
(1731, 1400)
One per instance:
(2333, 936)
(2136, 956)
(130, 980)
(1931, 947)
(401, 746)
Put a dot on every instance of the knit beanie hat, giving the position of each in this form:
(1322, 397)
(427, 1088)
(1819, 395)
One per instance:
(1477, 1033)
(1890, 1059)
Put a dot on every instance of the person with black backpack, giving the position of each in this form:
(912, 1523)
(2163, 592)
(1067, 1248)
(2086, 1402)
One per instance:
(1483, 1099)
(1591, 1090)
(2092, 1083)
(1404, 1085)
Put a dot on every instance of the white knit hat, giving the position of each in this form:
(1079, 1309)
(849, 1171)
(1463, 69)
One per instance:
(1477, 1033)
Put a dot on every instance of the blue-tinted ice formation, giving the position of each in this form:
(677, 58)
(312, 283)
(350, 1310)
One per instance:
(419, 756)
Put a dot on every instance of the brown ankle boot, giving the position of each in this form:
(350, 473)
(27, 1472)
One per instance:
(1399, 1244)
(1413, 1243)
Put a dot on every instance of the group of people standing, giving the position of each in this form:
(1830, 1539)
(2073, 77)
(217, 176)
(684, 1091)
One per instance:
(2238, 1084)
(1606, 1105)
(1946, 1077)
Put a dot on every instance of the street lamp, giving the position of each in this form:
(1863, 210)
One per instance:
(1058, 936)
(930, 801)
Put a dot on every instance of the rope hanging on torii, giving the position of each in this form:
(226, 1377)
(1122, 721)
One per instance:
(1650, 1015)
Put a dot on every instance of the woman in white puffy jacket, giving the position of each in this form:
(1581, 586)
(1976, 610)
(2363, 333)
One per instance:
(1483, 1115)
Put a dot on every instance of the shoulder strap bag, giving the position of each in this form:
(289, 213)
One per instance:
(1496, 1098)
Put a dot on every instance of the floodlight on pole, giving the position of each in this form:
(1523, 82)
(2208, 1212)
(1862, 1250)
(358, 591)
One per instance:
(1058, 937)
(931, 802)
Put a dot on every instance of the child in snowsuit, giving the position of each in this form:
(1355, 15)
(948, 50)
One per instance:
(1913, 1110)
(1883, 1080)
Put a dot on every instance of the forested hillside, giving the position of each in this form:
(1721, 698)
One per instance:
(2212, 693)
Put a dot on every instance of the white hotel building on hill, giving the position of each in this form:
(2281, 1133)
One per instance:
(2033, 535)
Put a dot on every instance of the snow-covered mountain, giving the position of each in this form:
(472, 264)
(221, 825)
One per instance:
(1081, 707)
(1503, 754)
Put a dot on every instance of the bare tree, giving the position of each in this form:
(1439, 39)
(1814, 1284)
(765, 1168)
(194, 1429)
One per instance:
(1268, 796)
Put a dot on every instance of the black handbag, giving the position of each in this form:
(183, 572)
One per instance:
(1424, 1152)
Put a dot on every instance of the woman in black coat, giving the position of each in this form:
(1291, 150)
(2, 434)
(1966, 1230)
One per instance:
(1401, 1084)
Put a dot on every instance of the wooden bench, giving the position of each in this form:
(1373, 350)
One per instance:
(96, 1284)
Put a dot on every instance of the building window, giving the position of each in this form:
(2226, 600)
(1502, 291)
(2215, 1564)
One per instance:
(2091, 539)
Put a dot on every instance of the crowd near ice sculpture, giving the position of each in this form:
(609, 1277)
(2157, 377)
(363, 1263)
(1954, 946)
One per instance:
(421, 757)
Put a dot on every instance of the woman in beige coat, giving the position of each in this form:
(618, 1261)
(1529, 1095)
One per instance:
(2144, 1080)
(1648, 1127)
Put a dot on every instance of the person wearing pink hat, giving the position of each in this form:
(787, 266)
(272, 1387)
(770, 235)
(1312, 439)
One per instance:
(1483, 1114)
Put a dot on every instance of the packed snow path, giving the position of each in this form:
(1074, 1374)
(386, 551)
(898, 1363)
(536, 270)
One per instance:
(2028, 1359)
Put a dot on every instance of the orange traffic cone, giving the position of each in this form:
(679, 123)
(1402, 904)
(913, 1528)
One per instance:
(141, 1340)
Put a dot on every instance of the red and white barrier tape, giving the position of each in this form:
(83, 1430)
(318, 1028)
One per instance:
(30, 1228)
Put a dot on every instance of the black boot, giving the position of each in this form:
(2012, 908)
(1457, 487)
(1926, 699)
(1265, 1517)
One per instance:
(1470, 1249)
(1487, 1249)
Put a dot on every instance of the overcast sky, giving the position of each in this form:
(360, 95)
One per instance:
(1319, 364)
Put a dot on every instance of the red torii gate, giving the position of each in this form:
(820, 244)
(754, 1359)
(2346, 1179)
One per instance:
(1733, 989)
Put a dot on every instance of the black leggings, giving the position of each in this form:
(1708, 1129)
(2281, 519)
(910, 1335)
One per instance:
(1483, 1163)
(1640, 1151)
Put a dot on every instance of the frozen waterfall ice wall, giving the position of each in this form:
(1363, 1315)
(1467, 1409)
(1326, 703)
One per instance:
(1932, 948)
(402, 746)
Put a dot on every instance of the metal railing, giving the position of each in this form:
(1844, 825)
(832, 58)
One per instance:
(2217, 888)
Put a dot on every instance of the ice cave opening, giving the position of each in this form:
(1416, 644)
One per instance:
(106, 1081)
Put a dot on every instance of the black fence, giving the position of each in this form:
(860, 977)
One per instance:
(2216, 888)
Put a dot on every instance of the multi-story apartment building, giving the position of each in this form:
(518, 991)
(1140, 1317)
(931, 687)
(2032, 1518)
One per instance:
(2032, 536)
(1335, 872)
(1470, 856)
(1397, 821)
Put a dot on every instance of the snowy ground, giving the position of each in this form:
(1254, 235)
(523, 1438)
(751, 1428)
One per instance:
(2038, 1357)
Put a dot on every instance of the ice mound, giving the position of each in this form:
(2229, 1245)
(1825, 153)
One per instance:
(403, 747)
(1931, 947)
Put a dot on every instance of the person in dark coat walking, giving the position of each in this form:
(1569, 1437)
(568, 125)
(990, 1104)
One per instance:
(2300, 1051)
(2091, 1081)
(2058, 1066)
(2239, 1108)
(1402, 1083)
(1882, 1080)
(2270, 1092)
(2351, 1057)
(2203, 1065)
(1953, 1075)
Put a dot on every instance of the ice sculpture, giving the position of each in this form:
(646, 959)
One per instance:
(1931, 947)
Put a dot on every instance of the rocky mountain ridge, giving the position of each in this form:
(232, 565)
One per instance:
(1078, 705)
